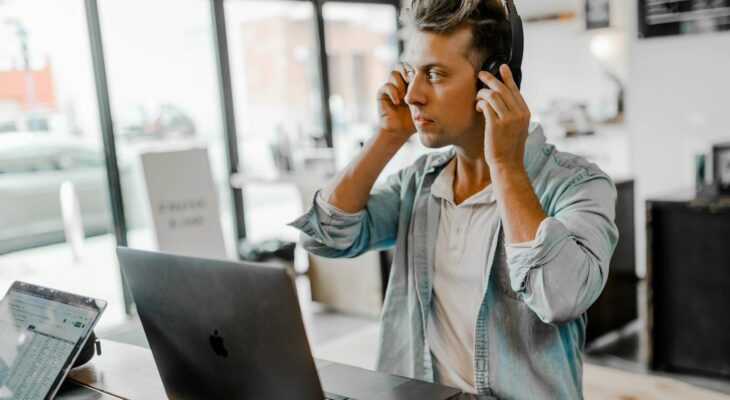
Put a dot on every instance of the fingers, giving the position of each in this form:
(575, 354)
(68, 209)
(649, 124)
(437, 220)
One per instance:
(505, 94)
(495, 101)
(507, 77)
(398, 77)
(509, 81)
(401, 68)
(490, 117)
(504, 98)
(392, 93)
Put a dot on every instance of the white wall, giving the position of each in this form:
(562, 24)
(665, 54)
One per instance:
(557, 64)
(677, 106)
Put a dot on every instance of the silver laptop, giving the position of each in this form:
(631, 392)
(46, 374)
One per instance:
(42, 331)
(223, 329)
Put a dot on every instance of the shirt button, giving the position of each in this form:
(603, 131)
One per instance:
(458, 230)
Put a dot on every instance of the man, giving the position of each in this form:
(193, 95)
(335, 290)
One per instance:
(501, 242)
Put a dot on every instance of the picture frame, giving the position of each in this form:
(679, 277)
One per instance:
(721, 168)
(598, 14)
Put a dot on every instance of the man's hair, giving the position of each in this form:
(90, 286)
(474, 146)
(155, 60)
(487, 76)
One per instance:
(487, 20)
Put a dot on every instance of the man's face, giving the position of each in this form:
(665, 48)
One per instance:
(442, 89)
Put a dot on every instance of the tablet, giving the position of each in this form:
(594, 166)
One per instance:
(42, 332)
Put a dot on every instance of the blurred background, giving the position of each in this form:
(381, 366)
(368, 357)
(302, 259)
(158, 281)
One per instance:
(281, 94)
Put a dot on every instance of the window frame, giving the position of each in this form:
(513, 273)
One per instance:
(227, 107)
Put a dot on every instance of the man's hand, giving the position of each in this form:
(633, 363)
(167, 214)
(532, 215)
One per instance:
(393, 112)
(506, 121)
(507, 118)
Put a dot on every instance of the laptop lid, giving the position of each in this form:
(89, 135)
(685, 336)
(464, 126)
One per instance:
(221, 329)
(42, 331)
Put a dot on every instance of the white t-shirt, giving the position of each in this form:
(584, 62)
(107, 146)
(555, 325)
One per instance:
(459, 278)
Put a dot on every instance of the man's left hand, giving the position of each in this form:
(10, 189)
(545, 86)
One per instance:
(507, 118)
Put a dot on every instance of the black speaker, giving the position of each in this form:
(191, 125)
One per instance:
(688, 272)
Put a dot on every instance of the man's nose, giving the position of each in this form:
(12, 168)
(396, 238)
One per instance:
(415, 94)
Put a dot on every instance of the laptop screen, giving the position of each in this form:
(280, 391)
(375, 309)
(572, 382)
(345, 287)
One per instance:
(41, 333)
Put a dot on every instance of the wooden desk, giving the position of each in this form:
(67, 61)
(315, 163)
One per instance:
(126, 371)
(122, 371)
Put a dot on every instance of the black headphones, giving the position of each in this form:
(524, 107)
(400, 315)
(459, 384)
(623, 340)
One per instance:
(514, 59)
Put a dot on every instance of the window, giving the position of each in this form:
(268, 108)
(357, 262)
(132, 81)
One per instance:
(362, 48)
(50, 134)
(277, 97)
(164, 95)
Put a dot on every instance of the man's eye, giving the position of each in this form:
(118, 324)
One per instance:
(433, 76)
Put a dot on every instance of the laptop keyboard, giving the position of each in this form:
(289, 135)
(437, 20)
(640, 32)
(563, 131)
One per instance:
(332, 396)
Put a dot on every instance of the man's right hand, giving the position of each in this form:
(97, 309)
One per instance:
(394, 115)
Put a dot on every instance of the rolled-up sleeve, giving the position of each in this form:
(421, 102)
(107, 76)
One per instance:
(563, 270)
(330, 232)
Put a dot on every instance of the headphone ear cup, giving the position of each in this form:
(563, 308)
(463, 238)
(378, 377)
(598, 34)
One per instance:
(492, 66)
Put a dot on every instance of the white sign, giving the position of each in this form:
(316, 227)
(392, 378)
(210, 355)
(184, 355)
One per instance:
(184, 204)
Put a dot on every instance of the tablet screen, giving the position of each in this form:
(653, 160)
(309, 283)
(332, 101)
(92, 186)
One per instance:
(41, 333)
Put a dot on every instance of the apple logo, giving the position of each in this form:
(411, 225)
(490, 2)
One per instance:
(217, 343)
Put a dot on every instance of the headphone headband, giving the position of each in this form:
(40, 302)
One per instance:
(517, 42)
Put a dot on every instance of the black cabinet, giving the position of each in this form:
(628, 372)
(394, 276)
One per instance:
(688, 272)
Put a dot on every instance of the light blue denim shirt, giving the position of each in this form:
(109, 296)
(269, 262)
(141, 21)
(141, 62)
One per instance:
(530, 329)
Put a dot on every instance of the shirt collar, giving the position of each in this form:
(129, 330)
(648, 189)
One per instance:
(444, 183)
(443, 188)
